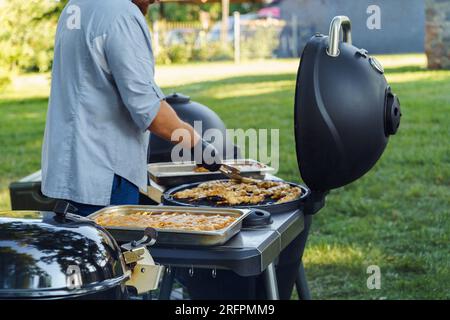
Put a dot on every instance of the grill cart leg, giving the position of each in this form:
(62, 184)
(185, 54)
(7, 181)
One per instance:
(270, 281)
(301, 284)
(167, 284)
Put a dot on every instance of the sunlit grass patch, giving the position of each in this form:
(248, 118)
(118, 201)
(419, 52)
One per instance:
(402, 60)
(401, 77)
(249, 89)
(27, 86)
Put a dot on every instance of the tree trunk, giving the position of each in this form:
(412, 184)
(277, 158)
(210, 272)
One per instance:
(437, 34)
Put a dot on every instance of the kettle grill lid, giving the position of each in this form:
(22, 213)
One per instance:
(43, 254)
(191, 112)
(341, 122)
(177, 98)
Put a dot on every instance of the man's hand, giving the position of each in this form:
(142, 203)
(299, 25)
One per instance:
(167, 121)
(210, 158)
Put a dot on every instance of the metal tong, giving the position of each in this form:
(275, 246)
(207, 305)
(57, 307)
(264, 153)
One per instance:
(235, 174)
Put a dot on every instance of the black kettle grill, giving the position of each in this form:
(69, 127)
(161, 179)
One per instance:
(59, 255)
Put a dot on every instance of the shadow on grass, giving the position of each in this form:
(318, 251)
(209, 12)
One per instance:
(404, 69)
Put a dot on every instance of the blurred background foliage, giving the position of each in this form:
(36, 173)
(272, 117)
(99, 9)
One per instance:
(27, 30)
(172, 11)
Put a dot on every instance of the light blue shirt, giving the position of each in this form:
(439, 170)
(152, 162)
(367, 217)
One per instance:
(103, 98)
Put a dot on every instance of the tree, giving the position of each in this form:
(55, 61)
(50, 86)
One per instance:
(26, 34)
(437, 41)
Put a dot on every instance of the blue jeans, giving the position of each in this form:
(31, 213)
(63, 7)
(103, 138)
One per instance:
(123, 192)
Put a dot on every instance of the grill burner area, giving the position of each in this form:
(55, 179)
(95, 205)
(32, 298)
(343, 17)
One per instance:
(273, 196)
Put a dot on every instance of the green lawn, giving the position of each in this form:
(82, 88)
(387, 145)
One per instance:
(396, 217)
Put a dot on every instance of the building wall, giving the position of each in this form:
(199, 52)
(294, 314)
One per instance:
(402, 22)
(437, 43)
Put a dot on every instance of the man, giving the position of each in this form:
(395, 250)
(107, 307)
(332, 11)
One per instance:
(103, 102)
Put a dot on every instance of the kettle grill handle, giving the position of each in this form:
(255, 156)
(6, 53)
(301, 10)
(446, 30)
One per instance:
(338, 23)
(62, 208)
(149, 238)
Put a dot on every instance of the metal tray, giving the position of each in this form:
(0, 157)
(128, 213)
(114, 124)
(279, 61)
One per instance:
(175, 236)
(172, 174)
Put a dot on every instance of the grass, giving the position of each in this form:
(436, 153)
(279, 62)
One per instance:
(397, 216)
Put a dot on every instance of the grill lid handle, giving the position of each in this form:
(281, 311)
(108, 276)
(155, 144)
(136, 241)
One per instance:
(338, 23)
(149, 239)
(62, 208)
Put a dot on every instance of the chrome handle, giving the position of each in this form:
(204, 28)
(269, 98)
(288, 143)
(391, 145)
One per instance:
(338, 23)
(148, 239)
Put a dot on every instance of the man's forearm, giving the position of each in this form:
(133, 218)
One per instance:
(167, 121)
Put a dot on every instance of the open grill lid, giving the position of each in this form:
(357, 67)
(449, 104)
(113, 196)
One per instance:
(344, 110)
(46, 255)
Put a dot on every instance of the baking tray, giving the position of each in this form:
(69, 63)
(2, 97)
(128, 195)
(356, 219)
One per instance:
(176, 237)
(172, 174)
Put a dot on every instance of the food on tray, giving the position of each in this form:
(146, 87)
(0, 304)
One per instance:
(166, 220)
(230, 192)
(200, 169)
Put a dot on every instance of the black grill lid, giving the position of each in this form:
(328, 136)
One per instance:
(47, 255)
(190, 111)
(341, 123)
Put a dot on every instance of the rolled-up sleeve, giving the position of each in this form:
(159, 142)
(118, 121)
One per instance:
(130, 60)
